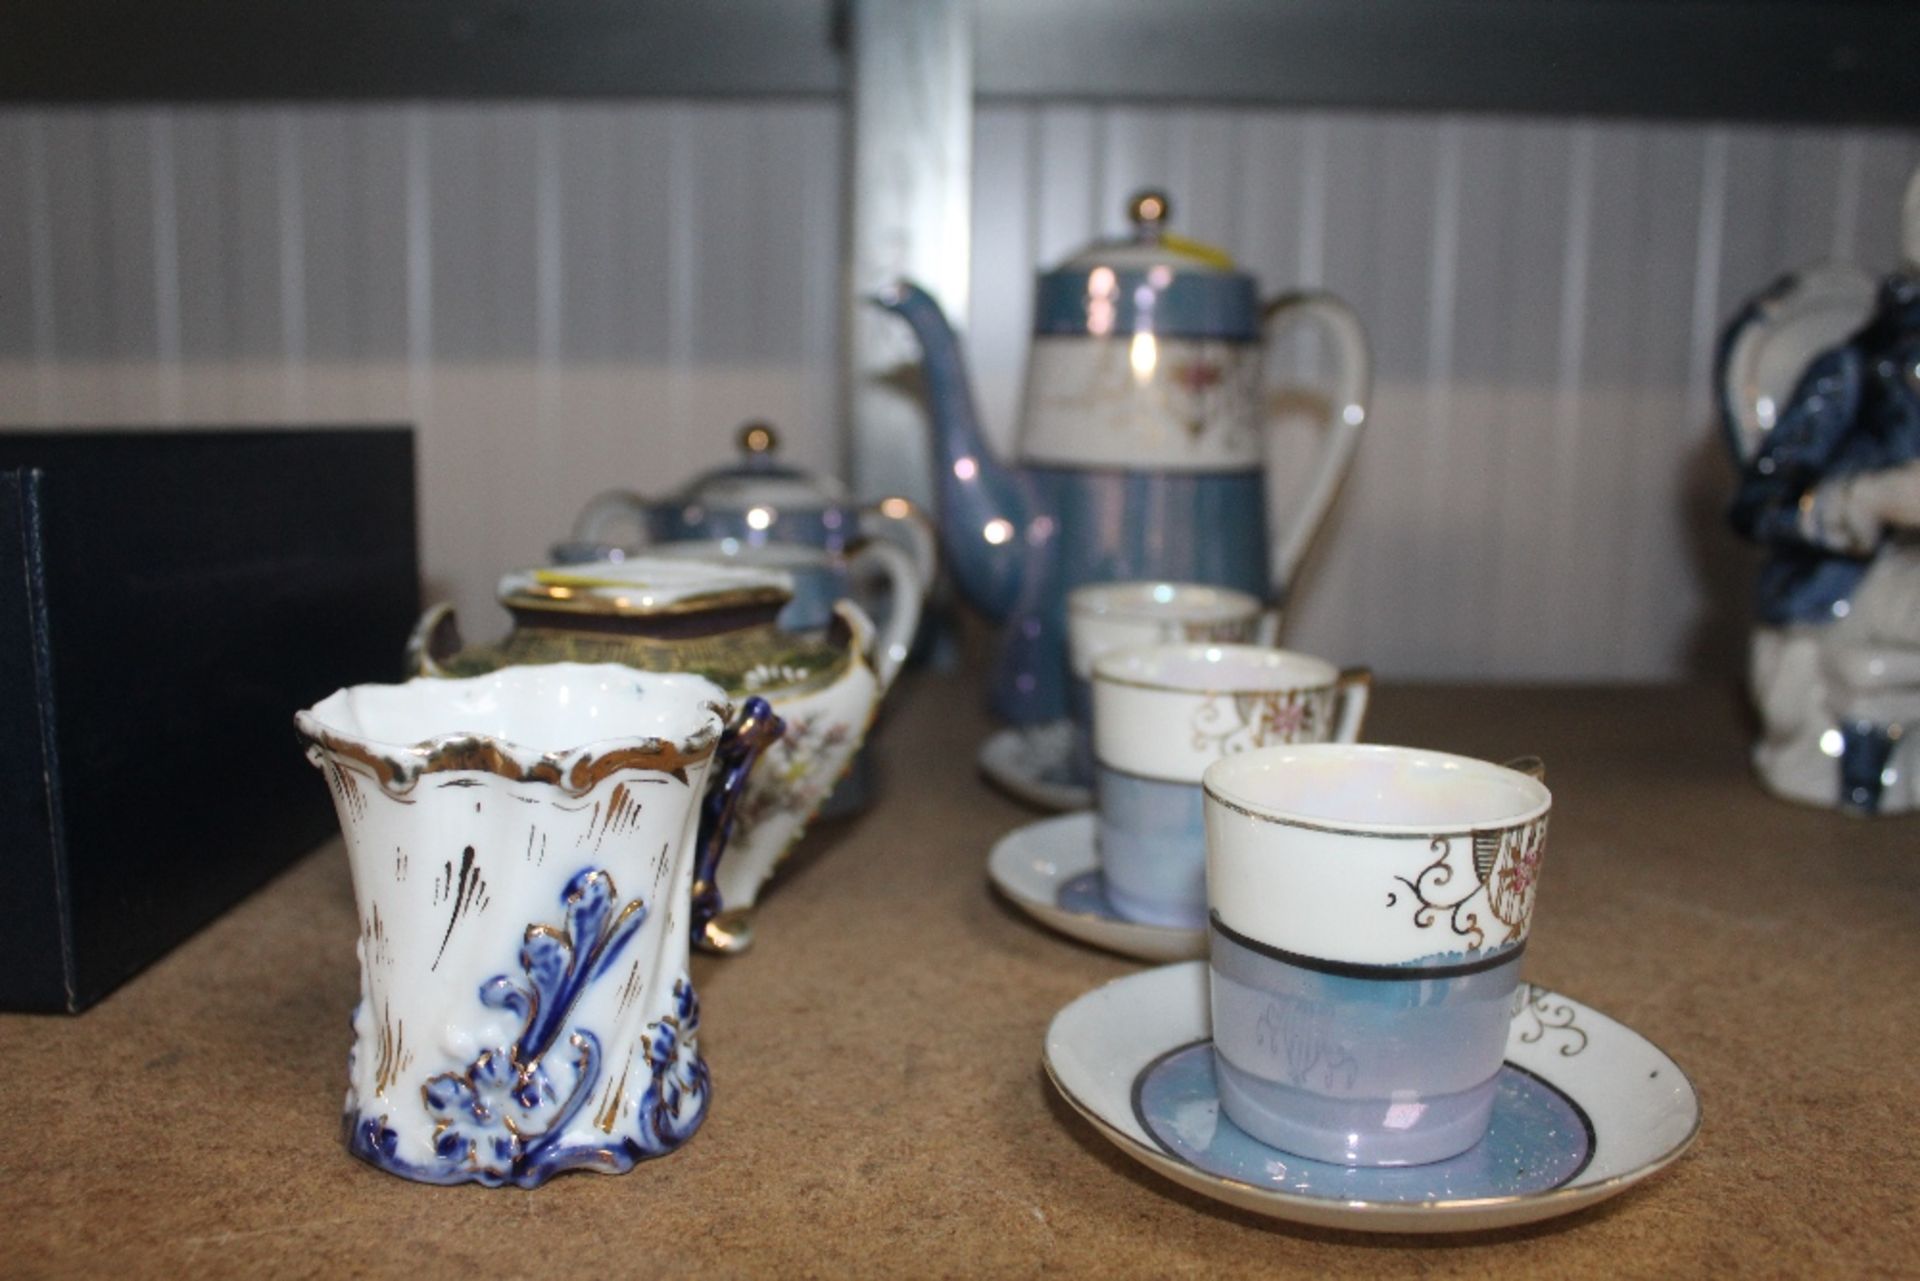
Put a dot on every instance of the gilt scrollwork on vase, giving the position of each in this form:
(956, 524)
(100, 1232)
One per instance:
(512, 1114)
(1478, 885)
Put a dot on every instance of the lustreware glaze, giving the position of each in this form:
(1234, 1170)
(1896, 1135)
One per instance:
(1162, 715)
(1369, 907)
(1050, 870)
(1142, 443)
(755, 501)
(1599, 1109)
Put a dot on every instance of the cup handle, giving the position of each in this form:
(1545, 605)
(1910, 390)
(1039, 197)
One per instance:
(889, 648)
(609, 508)
(1532, 766)
(1355, 686)
(740, 746)
(1267, 630)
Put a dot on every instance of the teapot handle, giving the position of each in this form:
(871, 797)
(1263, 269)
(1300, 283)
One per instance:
(1352, 390)
(907, 592)
(611, 508)
(902, 523)
(436, 634)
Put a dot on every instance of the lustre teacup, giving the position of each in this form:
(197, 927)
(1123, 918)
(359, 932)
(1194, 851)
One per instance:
(1369, 910)
(1103, 617)
(1162, 715)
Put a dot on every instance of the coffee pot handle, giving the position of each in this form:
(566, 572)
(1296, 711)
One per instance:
(1352, 391)
(756, 729)
(901, 522)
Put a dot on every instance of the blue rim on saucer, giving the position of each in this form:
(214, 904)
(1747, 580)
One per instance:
(1048, 869)
(1086, 894)
(1540, 1139)
(1033, 764)
(1598, 1108)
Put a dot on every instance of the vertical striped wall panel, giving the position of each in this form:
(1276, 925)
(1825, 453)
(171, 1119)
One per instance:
(565, 297)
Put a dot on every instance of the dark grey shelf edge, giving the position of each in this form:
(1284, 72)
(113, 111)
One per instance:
(294, 50)
(1808, 60)
(1825, 60)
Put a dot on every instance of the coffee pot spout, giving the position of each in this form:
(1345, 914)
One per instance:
(985, 506)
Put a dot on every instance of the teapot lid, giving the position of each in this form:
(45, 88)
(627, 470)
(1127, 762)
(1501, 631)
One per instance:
(645, 586)
(759, 478)
(1151, 281)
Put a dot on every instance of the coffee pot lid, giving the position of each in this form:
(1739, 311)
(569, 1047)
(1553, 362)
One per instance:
(1150, 281)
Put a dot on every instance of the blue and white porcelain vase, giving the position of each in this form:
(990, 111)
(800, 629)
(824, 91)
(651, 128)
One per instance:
(529, 850)
(1142, 445)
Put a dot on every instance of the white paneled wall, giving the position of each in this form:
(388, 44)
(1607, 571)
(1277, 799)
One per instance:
(562, 298)
(568, 297)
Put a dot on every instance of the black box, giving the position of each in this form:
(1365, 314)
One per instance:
(168, 600)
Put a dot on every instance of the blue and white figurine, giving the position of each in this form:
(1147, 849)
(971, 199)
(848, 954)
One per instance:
(1820, 391)
(1142, 445)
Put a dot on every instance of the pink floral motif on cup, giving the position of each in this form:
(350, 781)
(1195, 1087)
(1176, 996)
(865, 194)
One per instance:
(1223, 631)
(1497, 878)
(1226, 724)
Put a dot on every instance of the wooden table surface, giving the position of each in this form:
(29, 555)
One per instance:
(879, 1104)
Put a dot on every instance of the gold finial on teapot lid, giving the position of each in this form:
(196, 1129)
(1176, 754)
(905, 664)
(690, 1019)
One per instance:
(758, 438)
(1149, 211)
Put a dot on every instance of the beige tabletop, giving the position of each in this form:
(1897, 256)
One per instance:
(879, 1105)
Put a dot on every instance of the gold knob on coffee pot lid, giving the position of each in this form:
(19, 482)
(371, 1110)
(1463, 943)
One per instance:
(758, 438)
(1149, 211)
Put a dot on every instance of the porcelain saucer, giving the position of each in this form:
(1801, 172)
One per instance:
(1586, 1108)
(1033, 763)
(1051, 872)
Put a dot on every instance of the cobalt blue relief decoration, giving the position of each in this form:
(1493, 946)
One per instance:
(741, 744)
(508, 1116)
(523, 901)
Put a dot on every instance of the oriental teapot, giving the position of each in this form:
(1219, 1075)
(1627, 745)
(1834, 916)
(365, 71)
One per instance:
(716, 621)
(1141, 445)
(757, 500)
